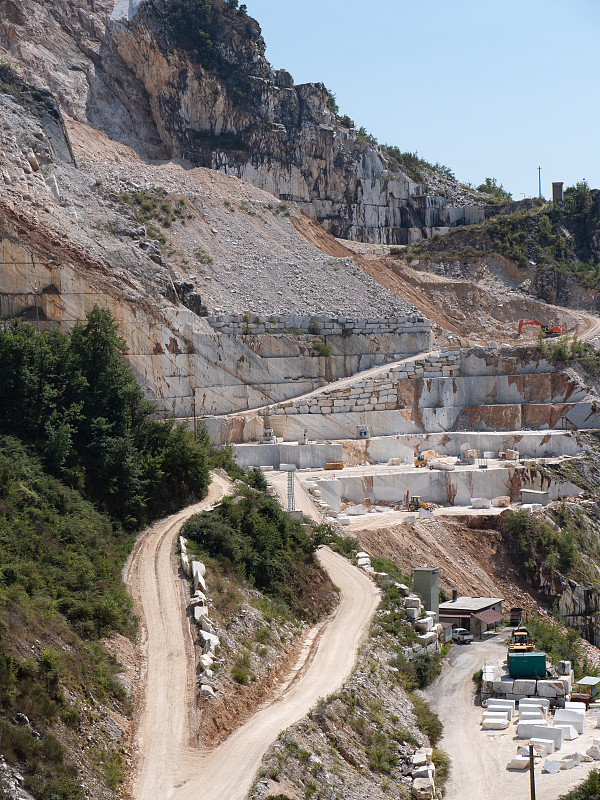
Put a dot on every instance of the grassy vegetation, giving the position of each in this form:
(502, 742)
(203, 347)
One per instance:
(83, 464)
(568, 348)
(414, 165)
(539, 544)
(60, 589)
(207, 29)
(37, 101)
(560, 643)
(427, 720)
(557, 238)
(58, 553)
(250, 535)
(154, 204)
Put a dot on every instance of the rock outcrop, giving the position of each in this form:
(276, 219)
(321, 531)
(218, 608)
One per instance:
(189, 79)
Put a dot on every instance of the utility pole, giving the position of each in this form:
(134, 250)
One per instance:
(194, 407)
(37, 313)
(531, 773)
(540, 182)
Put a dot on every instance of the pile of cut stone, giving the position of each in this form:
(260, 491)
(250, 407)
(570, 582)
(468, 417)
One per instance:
(199, 607)
(546, 734)
(423, 774)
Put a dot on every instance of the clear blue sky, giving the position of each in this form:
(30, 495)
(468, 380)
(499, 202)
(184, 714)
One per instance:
(488, 88)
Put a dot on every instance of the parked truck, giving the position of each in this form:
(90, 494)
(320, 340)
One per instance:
(462, 636)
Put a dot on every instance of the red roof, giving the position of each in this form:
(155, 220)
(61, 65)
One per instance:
(489, 616)
(455, 614)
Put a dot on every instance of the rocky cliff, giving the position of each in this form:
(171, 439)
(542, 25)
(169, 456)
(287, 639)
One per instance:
(189, 79)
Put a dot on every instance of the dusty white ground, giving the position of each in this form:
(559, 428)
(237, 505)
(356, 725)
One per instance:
(167, 766)
(479, 758)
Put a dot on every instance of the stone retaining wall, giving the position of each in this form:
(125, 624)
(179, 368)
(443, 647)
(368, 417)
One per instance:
(240, 325)
(376, 393)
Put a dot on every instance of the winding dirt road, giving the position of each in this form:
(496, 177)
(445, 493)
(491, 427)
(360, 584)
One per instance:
(168, 766)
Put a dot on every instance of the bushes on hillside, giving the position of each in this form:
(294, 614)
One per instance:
(251, 535)
(588, 790)
(57, 552)
(538, 542)
(73, 398)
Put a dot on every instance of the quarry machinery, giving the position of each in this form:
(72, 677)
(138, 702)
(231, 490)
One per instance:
(549, 330)
(521, 641)
(420, 460)
(415, 503)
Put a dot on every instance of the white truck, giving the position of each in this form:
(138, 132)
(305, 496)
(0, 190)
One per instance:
(462, 636)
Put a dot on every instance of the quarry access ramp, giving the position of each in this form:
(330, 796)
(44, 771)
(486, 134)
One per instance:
(168, 766)
(454, 389)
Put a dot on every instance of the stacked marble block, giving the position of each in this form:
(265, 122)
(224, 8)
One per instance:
(495, 682)
(242, 325)
(423, 774)
(199, 608)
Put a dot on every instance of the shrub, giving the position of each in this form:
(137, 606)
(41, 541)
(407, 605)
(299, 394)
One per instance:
(381, 754)
(442, 767)
(490, 186)
(588, 790)
(252, 535)
(321, 348)
(427, 720)
(240, 675)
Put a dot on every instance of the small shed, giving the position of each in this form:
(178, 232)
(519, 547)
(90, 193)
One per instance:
(589, 686)
(447, 634)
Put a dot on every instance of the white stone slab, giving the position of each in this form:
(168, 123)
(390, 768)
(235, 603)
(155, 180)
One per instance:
(518, 762)
(572, 717)
(503, 701)
(541, 702)
(495, 724)
(480, 502)
(185, 564)
(531, 716)
(548, 744)
(594, 752)
(553, 767)
(570, 732)
(531, 730)
(501, 709)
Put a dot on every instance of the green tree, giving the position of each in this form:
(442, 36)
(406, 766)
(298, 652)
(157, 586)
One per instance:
(491, 186)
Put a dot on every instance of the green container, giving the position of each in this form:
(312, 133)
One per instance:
(527, 665)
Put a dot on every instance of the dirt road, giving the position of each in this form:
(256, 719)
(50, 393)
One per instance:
(167, 659)
(168, 767)
(479, 758)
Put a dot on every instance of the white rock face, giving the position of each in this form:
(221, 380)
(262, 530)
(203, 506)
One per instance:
(125, 9)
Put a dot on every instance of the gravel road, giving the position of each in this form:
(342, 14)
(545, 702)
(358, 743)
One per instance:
(167, 766)
(479, 758)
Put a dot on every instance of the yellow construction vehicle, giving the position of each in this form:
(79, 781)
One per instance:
(415, 503)
(521, 641)
(420, 460)
(502, 455)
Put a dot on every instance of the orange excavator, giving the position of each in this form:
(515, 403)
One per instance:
(549, 330)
